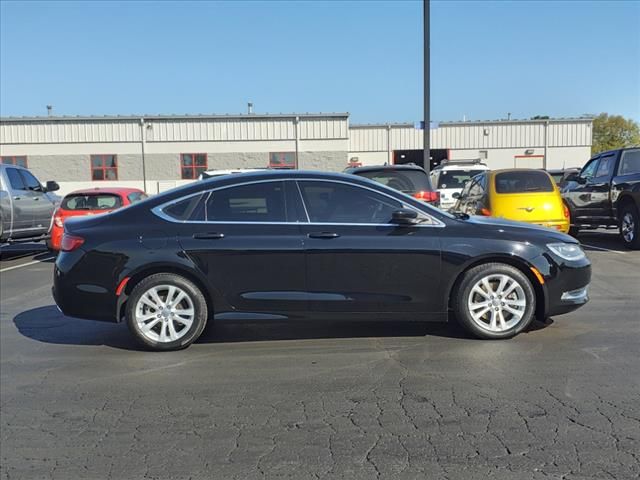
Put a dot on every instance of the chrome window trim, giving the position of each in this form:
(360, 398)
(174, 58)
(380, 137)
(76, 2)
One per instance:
(158, 210)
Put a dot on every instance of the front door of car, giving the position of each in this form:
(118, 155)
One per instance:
(578, 194)
(357, 261)
(23, 205)
(42, 205)
(242, 239)
(598, 188)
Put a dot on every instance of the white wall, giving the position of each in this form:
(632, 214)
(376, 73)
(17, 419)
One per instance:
(557, 157)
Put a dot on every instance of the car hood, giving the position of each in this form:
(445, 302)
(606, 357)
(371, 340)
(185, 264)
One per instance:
(520, 229)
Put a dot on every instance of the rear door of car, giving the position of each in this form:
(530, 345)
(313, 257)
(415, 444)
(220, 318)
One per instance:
(627, 178)
(247, 241)
(358, 261)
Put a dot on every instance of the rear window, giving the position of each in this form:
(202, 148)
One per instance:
(527, 181)
(103, 201)
(456, 178)
(407, 181)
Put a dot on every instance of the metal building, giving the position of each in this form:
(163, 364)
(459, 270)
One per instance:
(160, 152)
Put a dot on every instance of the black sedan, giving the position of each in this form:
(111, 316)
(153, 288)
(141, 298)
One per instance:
(294, 244)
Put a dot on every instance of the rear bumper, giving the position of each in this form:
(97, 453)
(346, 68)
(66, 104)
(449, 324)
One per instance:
(561, 225)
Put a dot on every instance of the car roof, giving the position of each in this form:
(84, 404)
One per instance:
(510, 170)
(107, 190)
(374, 168)
(462, 166)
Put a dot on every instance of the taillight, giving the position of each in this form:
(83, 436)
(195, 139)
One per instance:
(427, 196)
(57, 221)
(485, 211)
(70, 242)
(566, 211)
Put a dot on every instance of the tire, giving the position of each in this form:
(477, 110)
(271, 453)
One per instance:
(478, 320)
(629, 225)
(167, 328)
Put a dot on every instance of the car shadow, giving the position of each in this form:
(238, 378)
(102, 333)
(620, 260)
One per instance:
(596, 240)
(48, 325)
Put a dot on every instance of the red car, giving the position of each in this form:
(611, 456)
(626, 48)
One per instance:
(90, 202)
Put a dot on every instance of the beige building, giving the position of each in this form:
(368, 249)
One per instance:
(160, 152)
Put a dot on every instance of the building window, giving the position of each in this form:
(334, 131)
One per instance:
(104, 167)
(20, 161)
(282, 160)
(192, 165)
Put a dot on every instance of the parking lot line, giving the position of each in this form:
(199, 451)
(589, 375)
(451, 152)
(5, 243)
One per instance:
(605, 249)
(26, 264)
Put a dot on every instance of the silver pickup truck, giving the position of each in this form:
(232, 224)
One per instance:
(26, 207)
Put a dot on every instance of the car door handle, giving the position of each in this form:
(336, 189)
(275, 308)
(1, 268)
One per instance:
(16, 198)
(37, 198)
(328, 235)
(208, 236)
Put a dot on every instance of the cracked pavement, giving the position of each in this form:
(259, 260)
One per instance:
(322, 401)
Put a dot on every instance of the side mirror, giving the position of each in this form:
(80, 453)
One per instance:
(455, 195)
(51, 186)
(404, 216)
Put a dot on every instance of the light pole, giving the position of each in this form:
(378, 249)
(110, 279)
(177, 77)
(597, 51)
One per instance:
(427, 113)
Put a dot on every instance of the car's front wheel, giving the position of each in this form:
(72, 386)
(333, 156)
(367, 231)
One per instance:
(494, 301)
(166, 312)
(630, 226)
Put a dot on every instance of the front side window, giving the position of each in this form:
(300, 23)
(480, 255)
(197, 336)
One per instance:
(330, 202)
(282, 160)
(257, 202)
(104, 167)
(20, 161)
(105, 201)
(526, 181)
(30, 181)
(15, 179)
(630, 162)
(192, 165)
(590, 169)
(606, 165)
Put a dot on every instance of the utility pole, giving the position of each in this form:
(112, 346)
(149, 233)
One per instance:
(427, 112)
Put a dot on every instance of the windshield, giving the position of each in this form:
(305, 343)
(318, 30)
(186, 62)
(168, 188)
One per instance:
(406, 181)
(526, 181)
(456, 178)
(103, 201)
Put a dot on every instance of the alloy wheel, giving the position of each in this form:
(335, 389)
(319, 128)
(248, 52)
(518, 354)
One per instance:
(628, 227)
(497, 302)
(164, 313)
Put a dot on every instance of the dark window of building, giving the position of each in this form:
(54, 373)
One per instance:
(282, 160)
(20, 161)
(192, 165)
(104, 167)
(330, 202)
(258, 202)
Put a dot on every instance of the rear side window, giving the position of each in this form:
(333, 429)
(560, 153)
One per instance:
(527, 181)
(456, 178)
(630, 162)
(190, 208)
(407, 181)
(257, 202)
(15, 179)
(91, 202)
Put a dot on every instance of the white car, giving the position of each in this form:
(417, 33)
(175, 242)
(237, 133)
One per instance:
(450, 177)
(216, 173)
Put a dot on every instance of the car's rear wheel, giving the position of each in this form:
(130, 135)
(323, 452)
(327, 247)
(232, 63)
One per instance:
(494, 301)
(166, 312)
(630, 226)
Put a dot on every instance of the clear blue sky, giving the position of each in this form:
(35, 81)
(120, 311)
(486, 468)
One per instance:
(488, 58)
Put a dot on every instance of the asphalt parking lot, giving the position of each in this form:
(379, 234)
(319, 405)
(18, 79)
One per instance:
(80, 400)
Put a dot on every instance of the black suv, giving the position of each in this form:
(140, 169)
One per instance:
(408, 178)
(606, 193)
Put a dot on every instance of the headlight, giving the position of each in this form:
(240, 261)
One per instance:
(568, 251)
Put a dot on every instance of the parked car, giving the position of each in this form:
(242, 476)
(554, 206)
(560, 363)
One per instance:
(408, 178)
(560, 175)
(93, 201)
(525, 195)
(606, 193)
(451, 176)
(295, 244)
(216, 173)
(26, 207)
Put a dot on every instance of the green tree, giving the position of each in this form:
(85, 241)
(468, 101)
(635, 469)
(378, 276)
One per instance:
(615, 131)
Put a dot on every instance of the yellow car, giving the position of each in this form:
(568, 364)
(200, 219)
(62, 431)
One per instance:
(525, 195)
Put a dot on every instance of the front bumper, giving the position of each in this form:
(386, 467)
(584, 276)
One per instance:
(567, 286)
